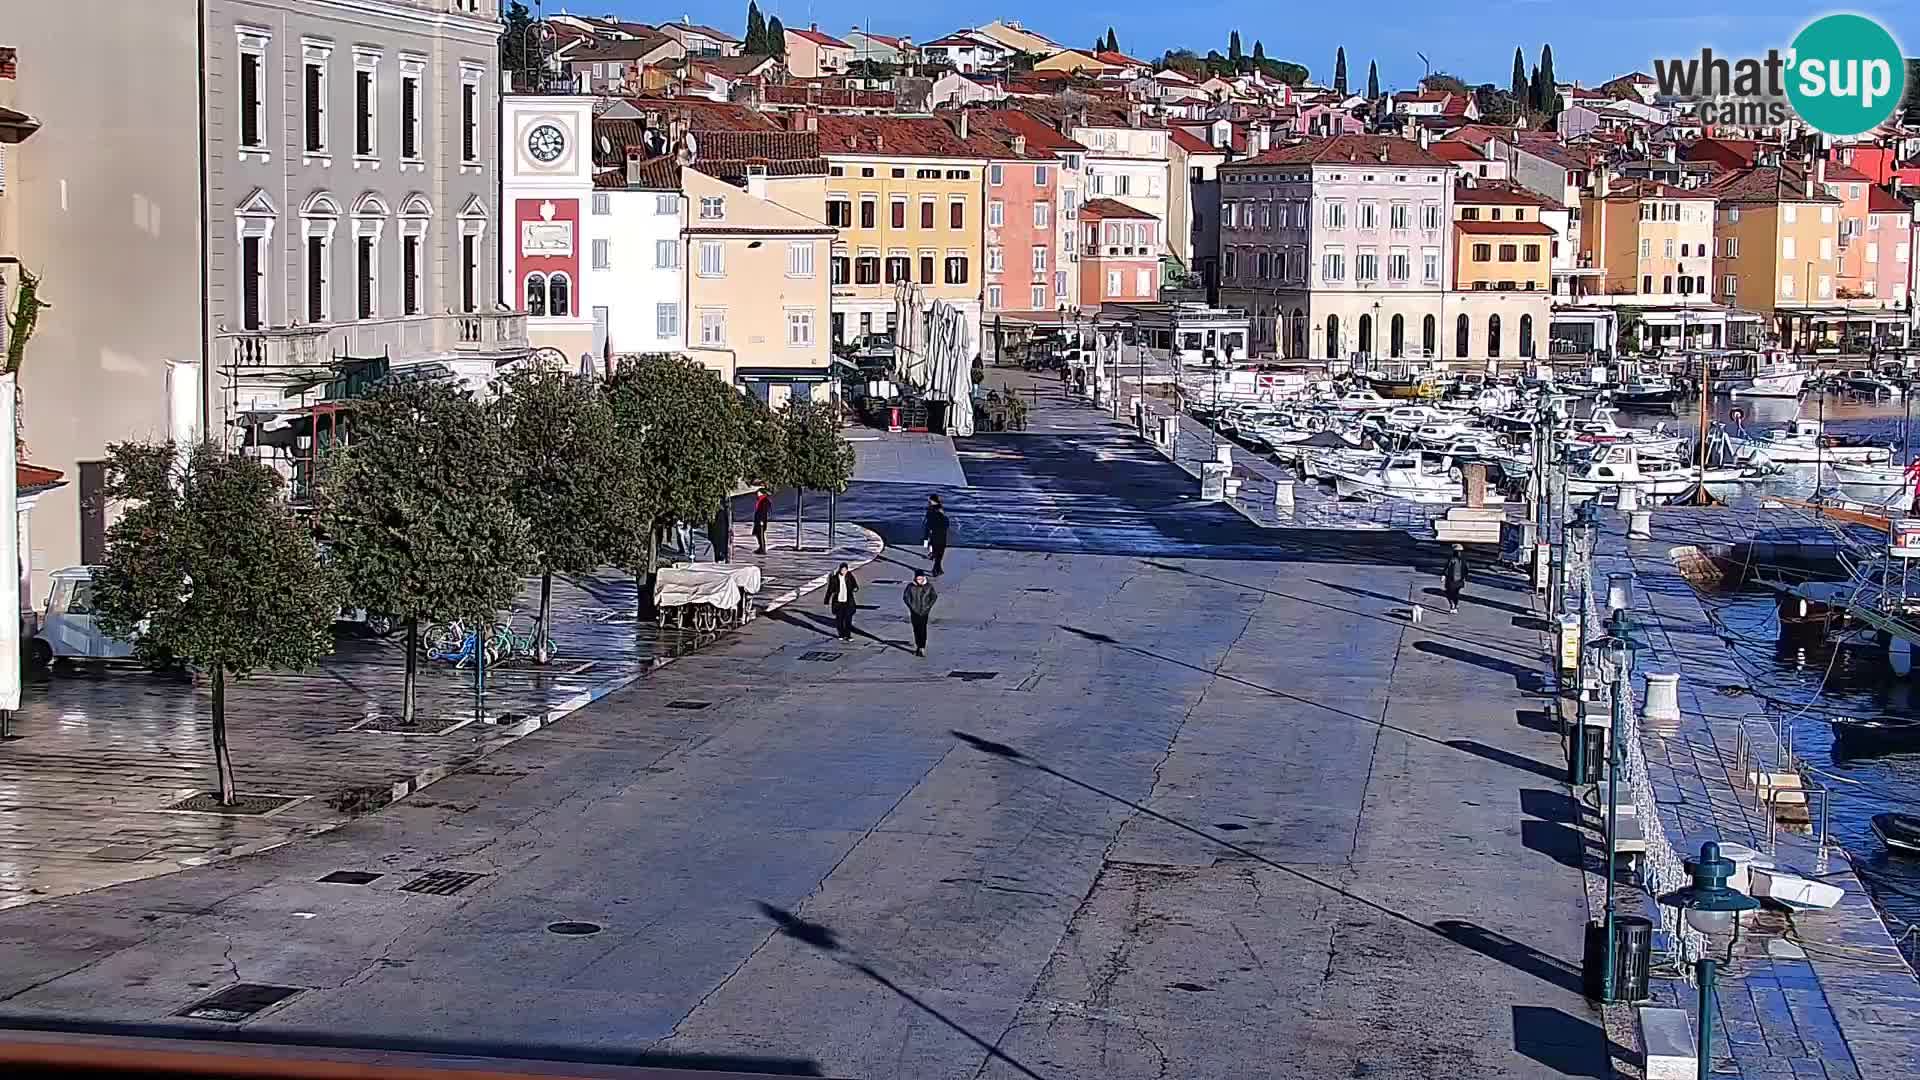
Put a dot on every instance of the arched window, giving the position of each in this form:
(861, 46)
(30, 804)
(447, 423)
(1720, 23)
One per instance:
(559, 296)
(536, 295)
(1462, 331)
(1493, 335)
(1526, 335)
(1397, 336)
(1333, 337)
(1299, 333)
(1429, 335)
(1366, 334)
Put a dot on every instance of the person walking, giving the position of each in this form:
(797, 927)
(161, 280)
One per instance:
(842, 590)
(720, 531)
(936, 533)
(762, 513)
(1454, 577)
(920, 597)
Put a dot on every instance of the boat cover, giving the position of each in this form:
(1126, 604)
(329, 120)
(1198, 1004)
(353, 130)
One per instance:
(718, 584)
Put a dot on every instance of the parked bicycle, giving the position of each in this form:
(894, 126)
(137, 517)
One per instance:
(507, 643)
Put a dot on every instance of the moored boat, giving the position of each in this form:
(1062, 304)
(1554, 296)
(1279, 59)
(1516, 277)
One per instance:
(1900, 832)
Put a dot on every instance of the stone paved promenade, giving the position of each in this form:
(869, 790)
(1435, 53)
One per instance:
(102, 753)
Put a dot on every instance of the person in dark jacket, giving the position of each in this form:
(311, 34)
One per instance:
(720, 532)
(1454, 577)
(842, 590)
(920, 597)
(762, 513)
(936, 533)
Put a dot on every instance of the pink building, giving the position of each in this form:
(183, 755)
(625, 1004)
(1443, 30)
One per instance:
(1850, 187)
(1119, 254)
(1025, 267)
(1887, 247)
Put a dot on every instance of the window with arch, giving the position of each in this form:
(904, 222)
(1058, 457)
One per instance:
(1493, 335)
(536, 295)
(1429, 335)
(1526, 335)
(1462, 335)
(1397, 336)
(559, 295)
(1366, 334)
(1333, 337)
(1299, 333)
(320, 216)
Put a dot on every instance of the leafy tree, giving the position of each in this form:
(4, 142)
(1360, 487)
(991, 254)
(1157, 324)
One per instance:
(519, 51)
(1113, 43)
(1519, 88)
(1286, 71)
(419, 512)
(1340, 71)
(207, 565)
(1233, 48)
(764, 435)
(756, 43)
(1373, 81)
(1447, 82)
(776, 38)
(571, 483)
(821, 459)
(1497, 106)
(871, 69)
(682, 430)
(1259, 52)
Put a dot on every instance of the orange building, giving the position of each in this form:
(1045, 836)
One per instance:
(1119, 254)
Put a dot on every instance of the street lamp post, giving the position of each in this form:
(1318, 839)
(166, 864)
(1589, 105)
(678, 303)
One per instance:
(1712, 907)
(1617, 670)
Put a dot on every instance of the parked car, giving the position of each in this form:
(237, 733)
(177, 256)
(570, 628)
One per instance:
(70, 630)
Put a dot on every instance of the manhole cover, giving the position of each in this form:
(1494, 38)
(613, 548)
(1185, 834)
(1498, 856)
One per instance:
(238, 1002)
(972, 676)
(208, 802)
(820, 657)
(351, 877)
(573, 929)
(441, 882)
(688, 704)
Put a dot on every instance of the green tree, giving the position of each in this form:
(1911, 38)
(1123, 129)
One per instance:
(1546, 77)
(519, 50)
(1373, 81)
(1113, 43)
(764, 445)
(1233, 48)
(1340, 71)
(776, 38)
(820, 458)
(1446, 82)
(1520, 88)
(1259, 52)
(571, 482)
(207, 565)
(1497, 106)
(1536, 101)
(756, 43)
(682, 430)
(419, 513)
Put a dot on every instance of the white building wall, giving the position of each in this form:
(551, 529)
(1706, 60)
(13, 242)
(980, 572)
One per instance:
(637, 228)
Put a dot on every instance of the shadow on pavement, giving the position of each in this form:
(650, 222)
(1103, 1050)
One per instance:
(1566, 1044)
(1507, 758)
(1563, 844)
(1521, 957)
(1469, 598)
(1525, 677)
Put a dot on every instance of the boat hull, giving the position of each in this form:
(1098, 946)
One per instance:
(1772, 386)
(1357, 486)
(1900, 832)
(1855, 738)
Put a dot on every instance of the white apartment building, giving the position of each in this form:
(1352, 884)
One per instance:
(634, 275)
(1338, 248)
(1128, 163)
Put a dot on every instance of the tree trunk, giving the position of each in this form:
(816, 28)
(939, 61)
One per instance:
(222, 764)
(413, 659)
(542, 642)
(833, 516)
(799, 517)
(644, 583)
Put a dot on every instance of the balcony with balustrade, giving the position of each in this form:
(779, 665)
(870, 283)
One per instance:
(497, 335)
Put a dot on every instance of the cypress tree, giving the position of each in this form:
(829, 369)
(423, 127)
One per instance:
(1548, 95)
(1113, 43)
(1259, 52)
(1534, 96)
(1233, 48)
(1519, 88)
(756, 44)
(1340, 71)
(776, 38)
(1373, 81)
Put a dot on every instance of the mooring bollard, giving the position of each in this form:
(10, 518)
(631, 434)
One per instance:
(1640, 525)
(1619, 592)
(1663, 699)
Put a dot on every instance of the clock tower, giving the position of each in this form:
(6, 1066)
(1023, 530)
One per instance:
(546, 159)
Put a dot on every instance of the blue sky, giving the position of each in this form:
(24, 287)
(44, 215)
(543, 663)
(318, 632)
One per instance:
(1592, 41)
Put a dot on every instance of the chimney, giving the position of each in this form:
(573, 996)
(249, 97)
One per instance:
(813, 121)
(879, 141)
(1380, 153)
(1426, 137)
(815, 27)
(1263, 134)
(1673, 153)
(635, 158)
(1820, 171)
(1019, 146)
(757, 182)
(963, 125)
(1602, 180)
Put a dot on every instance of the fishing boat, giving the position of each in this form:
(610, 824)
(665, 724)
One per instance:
(1865, 736)
(1620, 465)
(1423, 478)
(1806, 443)
(1876, 485)
(1862, 381)
(1361, 399)
(1771, 374)
(1900, 832)
(1420, 387)
(1600, 429)
(1647, 392)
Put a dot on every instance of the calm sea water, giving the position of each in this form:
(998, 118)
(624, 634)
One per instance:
(1811, 681)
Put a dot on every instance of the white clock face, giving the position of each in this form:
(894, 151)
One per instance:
(546, 143)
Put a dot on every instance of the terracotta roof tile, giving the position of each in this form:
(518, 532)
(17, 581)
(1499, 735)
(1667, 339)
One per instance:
(1350, 149)
(1456, 151)
(1102, 209)
(1191, 143)
(819, 38)
(1501, 193)
(1767, 187)
(1882, 201)
(28, 477)
(1846, 174)
(896, 136)
(1505, 228)
(1040, 135)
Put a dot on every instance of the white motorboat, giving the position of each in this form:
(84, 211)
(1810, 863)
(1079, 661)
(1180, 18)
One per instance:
(1424, 478)
(1407, 417)
(1771, 374)
(1862, 381)
(1361, 399)
(1876, 485)
(1610, 468)
(1600, 429)
(1805, 443)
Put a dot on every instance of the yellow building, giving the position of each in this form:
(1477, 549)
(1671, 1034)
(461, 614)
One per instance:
(757, 294)
(1649, 240)
(1778, 239)
(1499, 304)
(907, 195)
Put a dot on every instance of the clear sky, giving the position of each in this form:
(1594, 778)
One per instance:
(1593, 40)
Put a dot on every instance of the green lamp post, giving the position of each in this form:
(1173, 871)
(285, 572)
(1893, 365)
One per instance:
(1712, 907)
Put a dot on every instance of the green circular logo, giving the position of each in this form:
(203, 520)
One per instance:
(1846, 75)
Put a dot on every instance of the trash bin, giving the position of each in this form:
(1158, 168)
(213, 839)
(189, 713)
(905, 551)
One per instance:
(1632, 957)
(1593, 767)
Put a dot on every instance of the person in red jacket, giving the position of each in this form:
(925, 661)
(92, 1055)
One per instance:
(762, 511)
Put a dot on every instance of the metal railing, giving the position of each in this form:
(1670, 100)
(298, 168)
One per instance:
(397, 337)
